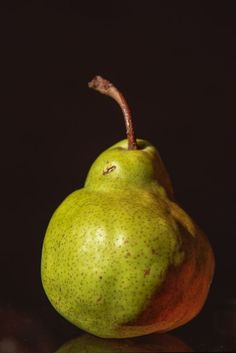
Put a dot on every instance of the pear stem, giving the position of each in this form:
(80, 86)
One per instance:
(103, 86)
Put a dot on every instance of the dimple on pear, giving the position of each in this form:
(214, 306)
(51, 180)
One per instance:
(120, 257)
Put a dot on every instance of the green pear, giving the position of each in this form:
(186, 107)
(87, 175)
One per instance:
(120, 257)
(155, 343)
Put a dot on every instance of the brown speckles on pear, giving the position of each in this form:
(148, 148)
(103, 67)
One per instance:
(147, 272)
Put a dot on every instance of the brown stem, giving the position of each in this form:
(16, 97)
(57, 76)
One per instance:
(105, 87)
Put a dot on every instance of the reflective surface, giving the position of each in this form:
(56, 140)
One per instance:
(151, 343)
(42, 330)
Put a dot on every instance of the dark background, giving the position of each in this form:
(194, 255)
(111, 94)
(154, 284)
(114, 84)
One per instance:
(174, 61)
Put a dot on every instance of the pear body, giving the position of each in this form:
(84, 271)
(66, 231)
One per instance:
(120, 257)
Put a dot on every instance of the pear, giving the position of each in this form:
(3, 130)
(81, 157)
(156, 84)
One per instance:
(120, 257)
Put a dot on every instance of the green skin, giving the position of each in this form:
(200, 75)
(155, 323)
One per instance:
(109, 245)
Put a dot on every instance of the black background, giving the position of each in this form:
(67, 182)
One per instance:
(174, 61)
